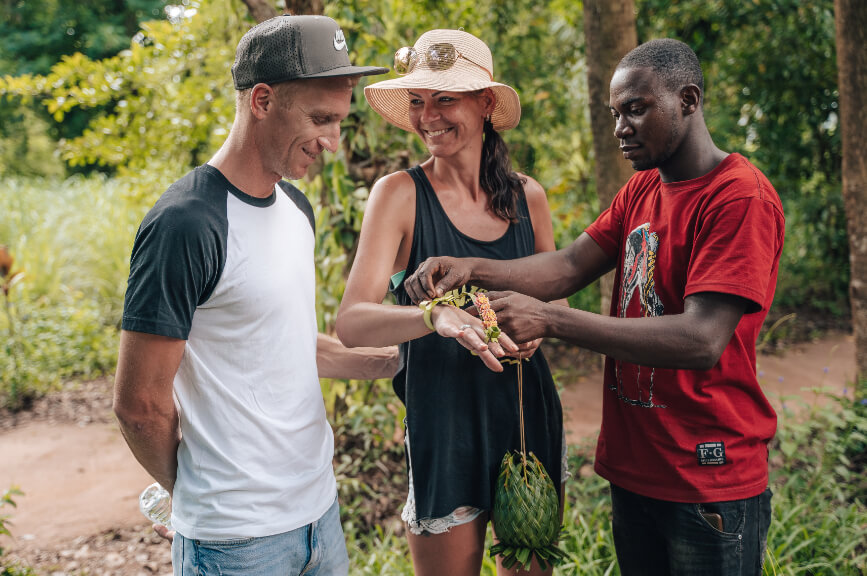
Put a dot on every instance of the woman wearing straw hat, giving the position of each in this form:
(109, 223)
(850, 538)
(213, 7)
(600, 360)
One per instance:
(465, 200)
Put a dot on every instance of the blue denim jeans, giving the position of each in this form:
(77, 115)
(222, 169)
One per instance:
(655, 537)
(318, 549)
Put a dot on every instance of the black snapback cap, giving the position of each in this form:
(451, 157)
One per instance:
(292, 47)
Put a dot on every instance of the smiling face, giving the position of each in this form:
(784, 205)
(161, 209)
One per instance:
(449, 121)
(648, 119)
(304, 120)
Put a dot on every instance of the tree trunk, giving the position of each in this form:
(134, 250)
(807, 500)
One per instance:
(850, 17)
(261, 10)
(301, 7)
(609, 33)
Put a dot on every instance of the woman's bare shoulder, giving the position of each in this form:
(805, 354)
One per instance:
(533, 191)
(397, 183)
(393, 194)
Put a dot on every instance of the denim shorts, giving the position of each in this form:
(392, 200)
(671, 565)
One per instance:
(317, 549)
(656, 537)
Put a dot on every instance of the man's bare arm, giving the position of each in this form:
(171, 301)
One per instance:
(335, 360)
(546, 276)
(144, 401)
(692, 340)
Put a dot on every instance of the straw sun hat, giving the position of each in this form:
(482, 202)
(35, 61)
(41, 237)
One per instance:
(448, 60)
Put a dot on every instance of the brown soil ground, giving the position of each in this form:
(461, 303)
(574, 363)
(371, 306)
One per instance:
(79, 514)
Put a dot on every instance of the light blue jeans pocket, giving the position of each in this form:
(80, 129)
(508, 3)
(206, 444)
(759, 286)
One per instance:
(318, 549)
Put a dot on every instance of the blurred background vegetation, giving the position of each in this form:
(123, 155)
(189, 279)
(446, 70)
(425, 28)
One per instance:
(104, 103)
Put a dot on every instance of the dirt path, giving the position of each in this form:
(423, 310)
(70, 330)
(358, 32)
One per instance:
(79, 511)
(788, 380)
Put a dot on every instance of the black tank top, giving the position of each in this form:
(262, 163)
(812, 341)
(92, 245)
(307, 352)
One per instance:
(461, 417)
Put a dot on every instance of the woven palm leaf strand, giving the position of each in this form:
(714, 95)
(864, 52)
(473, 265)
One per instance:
(526, 507)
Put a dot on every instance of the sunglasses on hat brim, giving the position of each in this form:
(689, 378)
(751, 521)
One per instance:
(439, 57)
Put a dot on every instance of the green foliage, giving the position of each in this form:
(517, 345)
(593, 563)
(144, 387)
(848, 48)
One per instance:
(378, 552)
(7, 500)
(820, 494)
(72, 240)
(338, 205)
(814, 271)
(775, 99)
(36, 33)
(587, 539)
(13, 568)
(166, 102)
(26, 143)
(526, 513)
(369, 457)
(771, 94)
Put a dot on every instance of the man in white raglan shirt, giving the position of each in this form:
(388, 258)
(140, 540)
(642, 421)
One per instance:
(217, 389)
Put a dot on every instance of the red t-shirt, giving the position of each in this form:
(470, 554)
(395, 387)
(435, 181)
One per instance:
(691, 435)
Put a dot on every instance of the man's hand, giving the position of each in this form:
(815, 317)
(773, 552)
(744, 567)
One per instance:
(523, 317)
(436, 276)
(527, 349)
(164, 532)
(452, 322)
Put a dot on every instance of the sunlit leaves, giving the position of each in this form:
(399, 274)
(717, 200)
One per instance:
(166, 100)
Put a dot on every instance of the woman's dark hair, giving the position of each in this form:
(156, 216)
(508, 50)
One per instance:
(497, 178)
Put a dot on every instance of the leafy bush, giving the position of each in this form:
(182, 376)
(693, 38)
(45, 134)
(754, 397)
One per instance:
(72, 240)
(814, 271)
(820, 502)
(11, 568)
(369, 460)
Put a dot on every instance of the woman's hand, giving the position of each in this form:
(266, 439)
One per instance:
(452, 322)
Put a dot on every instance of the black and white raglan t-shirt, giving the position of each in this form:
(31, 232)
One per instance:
(234, 276)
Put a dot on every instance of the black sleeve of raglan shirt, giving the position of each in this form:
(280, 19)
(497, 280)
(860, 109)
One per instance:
(177, 258)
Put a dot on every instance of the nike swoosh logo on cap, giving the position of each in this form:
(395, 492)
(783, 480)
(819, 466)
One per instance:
(339, 40)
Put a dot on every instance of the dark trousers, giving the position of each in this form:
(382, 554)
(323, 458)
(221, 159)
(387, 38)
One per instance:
(656, 537)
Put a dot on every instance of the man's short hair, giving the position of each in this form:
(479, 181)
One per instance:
(672, 60)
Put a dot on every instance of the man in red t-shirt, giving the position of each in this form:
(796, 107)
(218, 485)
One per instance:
(695, 238)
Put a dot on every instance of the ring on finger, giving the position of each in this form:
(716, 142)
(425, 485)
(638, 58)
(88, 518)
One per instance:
(465, 326)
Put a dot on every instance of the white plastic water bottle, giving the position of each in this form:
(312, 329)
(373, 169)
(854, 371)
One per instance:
(156, 504)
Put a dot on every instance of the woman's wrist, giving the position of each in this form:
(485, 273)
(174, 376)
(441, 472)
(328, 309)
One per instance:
(427, 308)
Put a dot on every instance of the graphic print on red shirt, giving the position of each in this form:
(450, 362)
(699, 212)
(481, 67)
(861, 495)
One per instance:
(639, 263)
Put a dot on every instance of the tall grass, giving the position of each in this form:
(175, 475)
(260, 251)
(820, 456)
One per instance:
(819, 525)
(72, 240)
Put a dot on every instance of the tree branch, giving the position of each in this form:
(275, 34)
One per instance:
(260, 10)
